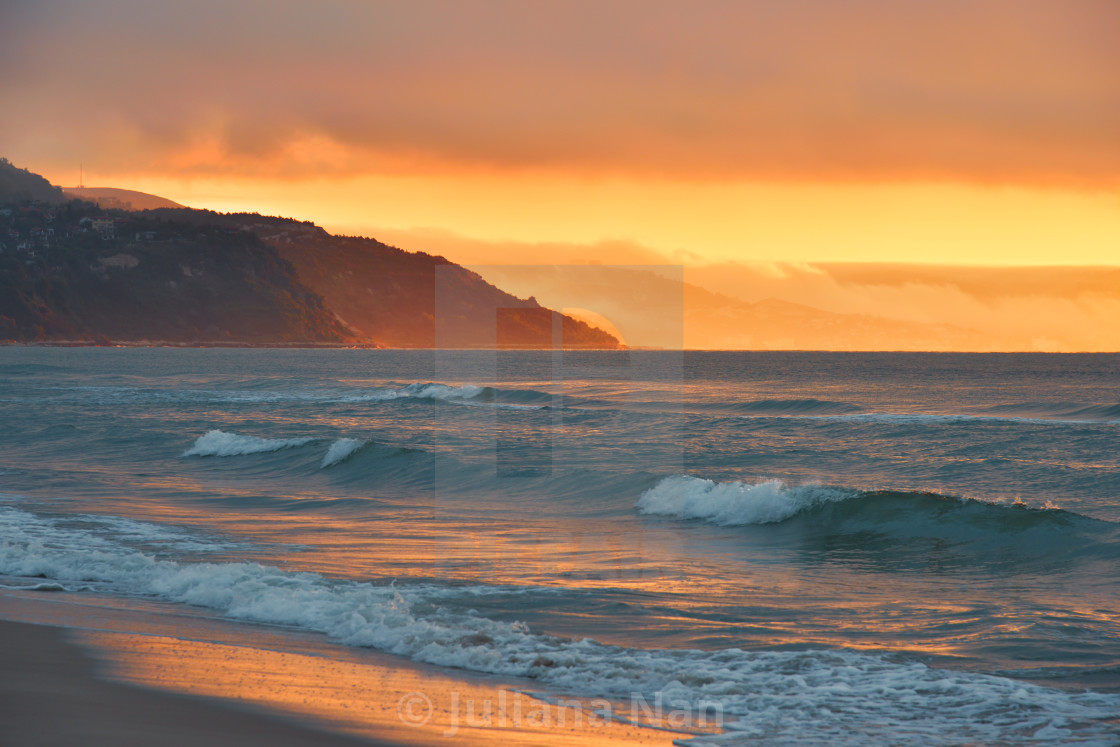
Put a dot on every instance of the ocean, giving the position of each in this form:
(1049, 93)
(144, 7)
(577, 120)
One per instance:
(784, 548)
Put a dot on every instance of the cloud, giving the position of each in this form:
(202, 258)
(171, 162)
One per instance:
(660, 299)
(478, 252)
(987, 91)
(1059, 309)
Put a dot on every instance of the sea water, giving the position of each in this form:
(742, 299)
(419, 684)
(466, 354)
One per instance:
(819, 547)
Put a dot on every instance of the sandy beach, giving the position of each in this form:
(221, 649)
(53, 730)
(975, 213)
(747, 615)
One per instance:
(51, 694)
(79, 670)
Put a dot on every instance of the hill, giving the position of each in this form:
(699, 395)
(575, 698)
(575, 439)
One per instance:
(77, 271)
(407, 299)
(119, 199)
(20, 185)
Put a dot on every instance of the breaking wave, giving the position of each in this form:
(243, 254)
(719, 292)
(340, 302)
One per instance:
(737, 503)
(222, 444)
(772, 697)
(887, 531)
(341, 450)
(733, 503)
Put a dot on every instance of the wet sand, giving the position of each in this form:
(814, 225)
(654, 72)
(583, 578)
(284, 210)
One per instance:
(51, 694)
(148, 675)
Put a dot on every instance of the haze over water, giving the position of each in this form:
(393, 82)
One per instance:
(845, 548)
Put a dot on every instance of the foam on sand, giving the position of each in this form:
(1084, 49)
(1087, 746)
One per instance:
(765, 697)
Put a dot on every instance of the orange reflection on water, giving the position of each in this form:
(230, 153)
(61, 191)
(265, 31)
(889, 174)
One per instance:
(759, 605)
(368, 695)
(417, 542)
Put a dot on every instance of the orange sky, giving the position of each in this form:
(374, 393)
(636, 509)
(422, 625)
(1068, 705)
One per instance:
(955, 131)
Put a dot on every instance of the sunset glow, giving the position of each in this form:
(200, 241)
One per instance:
(560, 372)
(743, 134)
(923, 132)
(685, 222)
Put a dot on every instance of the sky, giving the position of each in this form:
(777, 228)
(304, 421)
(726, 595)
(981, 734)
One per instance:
(706, 133)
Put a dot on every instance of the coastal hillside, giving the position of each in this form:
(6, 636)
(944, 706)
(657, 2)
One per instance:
(407, 299)
(76, 271)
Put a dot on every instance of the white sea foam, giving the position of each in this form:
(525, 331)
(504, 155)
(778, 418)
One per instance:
(467, 394)
(104, 533)
(154, 536)
(733, 503)
(46, 586)
(341, 450)
(220, 443)
(414, 391)
(773, 698)
(440, 391)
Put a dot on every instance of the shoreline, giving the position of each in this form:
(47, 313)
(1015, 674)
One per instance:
(100, 671)
(52, 693)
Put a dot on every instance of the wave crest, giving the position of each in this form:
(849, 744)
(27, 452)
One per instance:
(1060, 410)
(734, 503)
(891, 530)
(222, 444)
(341, 450)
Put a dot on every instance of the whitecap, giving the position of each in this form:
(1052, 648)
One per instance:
(734, 503)
(341, 450)
(220, 443)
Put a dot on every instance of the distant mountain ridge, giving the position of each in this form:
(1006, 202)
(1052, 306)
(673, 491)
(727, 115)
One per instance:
(71, 270)
(119, 199)
(648, 301)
